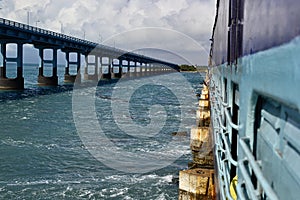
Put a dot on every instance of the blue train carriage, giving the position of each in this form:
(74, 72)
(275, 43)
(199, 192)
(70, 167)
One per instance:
(255, 98)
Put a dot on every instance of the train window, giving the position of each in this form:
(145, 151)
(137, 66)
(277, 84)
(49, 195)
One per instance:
(228, 48)
(235, 33)
(230, 14)
(277, 146)
(225, 90)
(239, 42)
(234, 135)
(240, 10)
(231, 49)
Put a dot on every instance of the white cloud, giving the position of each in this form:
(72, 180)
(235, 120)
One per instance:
(106, 18)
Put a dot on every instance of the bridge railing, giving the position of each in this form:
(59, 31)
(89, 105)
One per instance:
(36, 30)
(44, 31)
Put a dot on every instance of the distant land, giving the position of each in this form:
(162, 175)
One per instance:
(192, 68)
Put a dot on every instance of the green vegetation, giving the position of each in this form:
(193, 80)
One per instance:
(187, 68)
(192, 68)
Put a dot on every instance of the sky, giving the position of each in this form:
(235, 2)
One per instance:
(173, 30)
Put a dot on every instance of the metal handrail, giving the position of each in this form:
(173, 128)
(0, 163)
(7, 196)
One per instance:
(221, 123)
(74, 39)
(228, 117)
(227, 114)
(223, 174)
(39, 30)
(228, 153)
(227, 149)
(249, 186)
(240, 192)
(256, 169)
(220, 132)
(222, 102)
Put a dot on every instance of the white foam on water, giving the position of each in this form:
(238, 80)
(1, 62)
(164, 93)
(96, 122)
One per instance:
(161, 197)
(118, 192)
(16, 143)
(128, 198)
(86, 193)
(45, 182)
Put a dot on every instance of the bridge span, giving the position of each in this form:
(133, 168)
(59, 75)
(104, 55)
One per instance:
(118, 62)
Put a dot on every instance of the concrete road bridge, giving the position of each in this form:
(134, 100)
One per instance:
(107, 62)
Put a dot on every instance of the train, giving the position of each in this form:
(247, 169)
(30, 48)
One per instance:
(254, 79)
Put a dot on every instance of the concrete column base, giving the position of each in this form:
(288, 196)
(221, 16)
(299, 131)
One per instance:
(131, 74)
(47, 81)
(138, 74)
(126, 75)
(116, 75)
(106, 76)
(71, 78)
(92, 77)
(196, 184)
(12, 83)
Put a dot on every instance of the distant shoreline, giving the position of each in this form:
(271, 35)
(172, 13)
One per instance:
(191, 68)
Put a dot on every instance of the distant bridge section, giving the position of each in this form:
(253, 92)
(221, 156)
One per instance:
(12, 32)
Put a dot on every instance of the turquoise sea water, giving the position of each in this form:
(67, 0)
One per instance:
(43, 157)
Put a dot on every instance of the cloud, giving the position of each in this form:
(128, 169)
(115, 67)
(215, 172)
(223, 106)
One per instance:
(100, 20)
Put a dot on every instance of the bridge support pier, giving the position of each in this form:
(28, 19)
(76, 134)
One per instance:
(11, 83)
(128, 74)
(68, 77)
(45, 80)
(137, 69)
(125, 69)
(107, 74)
(129, 70)
(144, 70)
(151, 70)
(94, 64)
(147, 70)
(119, 73)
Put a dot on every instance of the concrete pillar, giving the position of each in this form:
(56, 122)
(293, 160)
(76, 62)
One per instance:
(137, 67)
(108, 74)
(113, 74)
(143, 68)
(52, 80)
(12, 83)
(99, 60)
(130, 70)
(159, 69)
(68, 77)
(3, 56)
(88, 64)
(197, 182)
(119, 73)
(124, 72)
(78, 62)
(20, 62)
(147, 69)
(154, 72)
(150, 69)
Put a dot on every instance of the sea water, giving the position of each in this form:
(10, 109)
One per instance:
(42, 155)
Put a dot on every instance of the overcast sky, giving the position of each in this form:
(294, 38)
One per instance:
(180, 27)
